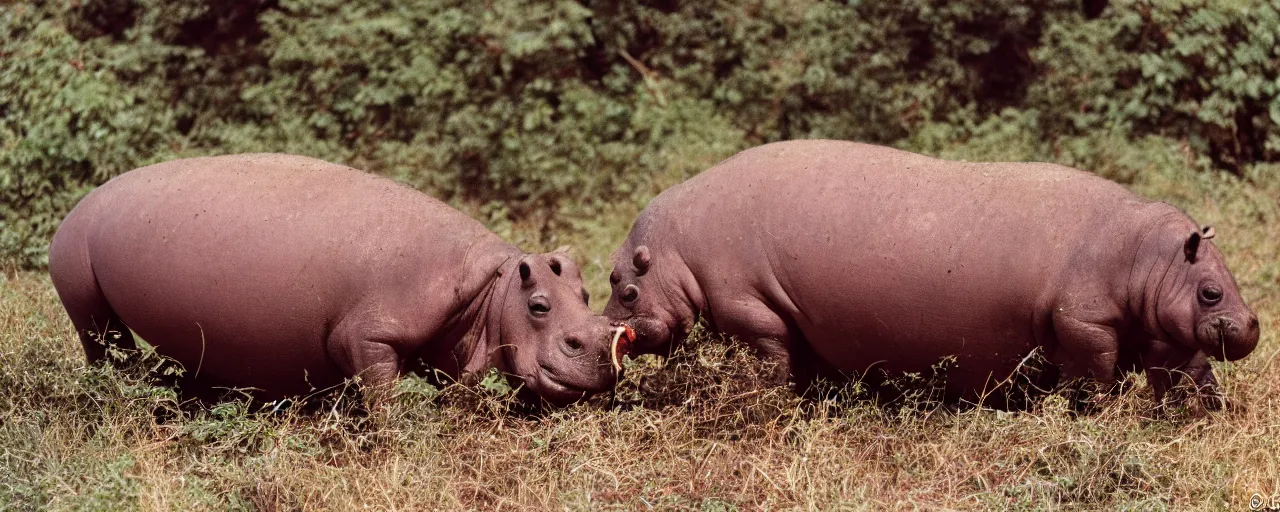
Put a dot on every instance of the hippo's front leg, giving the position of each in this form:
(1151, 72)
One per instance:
(753, 323)
(376, 363)
(1207, 388)
(367, 352)
(1166, 364)
(1085, 349)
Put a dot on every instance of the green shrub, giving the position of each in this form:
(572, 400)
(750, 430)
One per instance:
(543, 112)
(67, 123)
(1204, 72)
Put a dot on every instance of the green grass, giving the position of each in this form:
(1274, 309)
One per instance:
(699, 431)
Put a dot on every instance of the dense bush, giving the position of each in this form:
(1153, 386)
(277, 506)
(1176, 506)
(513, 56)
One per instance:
(1207, 73)
(538, 110)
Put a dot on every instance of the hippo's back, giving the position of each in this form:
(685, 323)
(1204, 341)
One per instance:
(239, 266)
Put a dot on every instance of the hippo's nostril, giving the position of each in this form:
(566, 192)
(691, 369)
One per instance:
(573, 344)
(1253, 324)
(1226, 327)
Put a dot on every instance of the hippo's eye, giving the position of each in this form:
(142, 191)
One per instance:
(538, 306)
(1210, 295)
(630, 293)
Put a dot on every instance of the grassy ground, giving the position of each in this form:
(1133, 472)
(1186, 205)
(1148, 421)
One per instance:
(698, 431)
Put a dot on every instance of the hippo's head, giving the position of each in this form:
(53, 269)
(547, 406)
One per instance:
(640, 300)
(552, 340)
(1200, 305)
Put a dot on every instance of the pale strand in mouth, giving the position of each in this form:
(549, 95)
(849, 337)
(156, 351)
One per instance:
(613, 348)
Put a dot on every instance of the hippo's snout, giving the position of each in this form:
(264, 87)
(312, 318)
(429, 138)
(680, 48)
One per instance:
(1232, 339)
(577, 367)
(1246, 340)
(592, 347)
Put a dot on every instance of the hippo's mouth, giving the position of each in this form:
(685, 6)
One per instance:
(652, 336)
(1226, 339)
(557, 390)
(623, 336)
(1211, 337)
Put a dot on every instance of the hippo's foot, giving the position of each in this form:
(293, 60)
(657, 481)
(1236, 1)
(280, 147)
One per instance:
(1207, 388)
(1212, 400)
(1186, 396)
(378, 397)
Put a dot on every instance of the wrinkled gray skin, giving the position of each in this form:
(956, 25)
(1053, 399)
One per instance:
(840, 257)
(289, 274)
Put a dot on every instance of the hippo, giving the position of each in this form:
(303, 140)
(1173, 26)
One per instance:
(837, 258)
(287, 275)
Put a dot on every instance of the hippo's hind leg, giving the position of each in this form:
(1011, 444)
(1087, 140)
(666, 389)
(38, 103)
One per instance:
(101, 332)
(97, 325)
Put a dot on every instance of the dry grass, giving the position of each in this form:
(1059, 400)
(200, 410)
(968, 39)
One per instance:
(699, 431)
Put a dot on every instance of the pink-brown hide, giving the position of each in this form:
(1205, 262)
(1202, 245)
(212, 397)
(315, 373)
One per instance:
(287, 275)
(839, 258)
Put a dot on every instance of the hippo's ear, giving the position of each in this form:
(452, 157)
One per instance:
(641, 260)
(526, 274)
(1191, 246)
(1206, 233)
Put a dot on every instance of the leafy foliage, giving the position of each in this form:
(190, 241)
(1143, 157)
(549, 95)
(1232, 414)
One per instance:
(1207, 73)
(545, 112)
